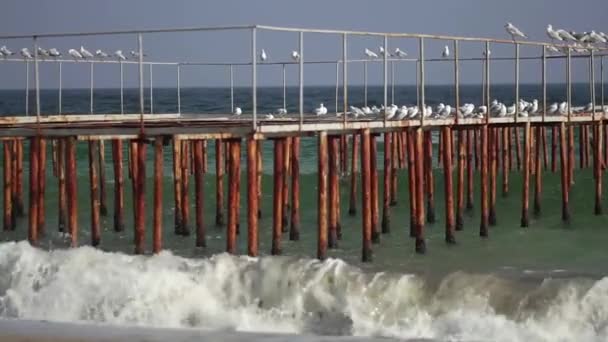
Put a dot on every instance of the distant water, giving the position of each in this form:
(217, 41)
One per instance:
(548, 282)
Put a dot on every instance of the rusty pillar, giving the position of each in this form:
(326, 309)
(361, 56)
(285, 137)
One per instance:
(71, 189)
(294, 230)
(352, 208)
(157, 216)
(119, 196)
(94, 193)
(450, 237)
(252, 198)
(322, 199)
(366, 191)
(277, 208)
(234, 178)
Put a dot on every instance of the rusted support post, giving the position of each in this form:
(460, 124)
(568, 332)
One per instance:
(420, 220)
(119, 196)
(582, 149)
(506, 160)
(219, 183)
(352, 208)
(386, 211)
(460, 185)
(322, 199)
(411, 174)
(34, 190)
(18, 201)
(62, 191)
(565, 180)
(177, 184)
(53, 157)
(334, 170)
(140, 199)
(538, 172)
(277, 208)
(525, 220)
(493, 142)
(252, 198)
(597, 164)
(94, 193)
(517, 147)
(366, 191)
(450, 238)
(394, 172)
(554, 139)
(428, 176)
(234, 178)
(476, 149)
(157, 231)
(571, 157)
(71, 189)
(286, 179)
(42, 187)
(470, 168)
(294, 229)
(199, 188)
(8, 185)
(544, 147)
(374, 189)
(343, 155)
(260, 168)
(103, 208)
(483, 227)
(185, 154)
(205, 158)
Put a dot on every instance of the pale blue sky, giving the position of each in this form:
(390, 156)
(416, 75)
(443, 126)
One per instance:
(484, 18)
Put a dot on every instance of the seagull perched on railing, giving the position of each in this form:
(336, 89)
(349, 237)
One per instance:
(85, 53)
(566, 35)
(263, 56)
(100, 54)
(382, 52)
(43, 52)
(446, 52)
(321, 110)
(554, 35)
(370, 54)
(237, 111)
(514, 31)
(553, 108)
(118, 54)
(54, 52)
(75, 54)
(295, 55)
(597, 38)
(5, 51)
(281, 111)
(399, 53)
(135, 54)
(25, 53)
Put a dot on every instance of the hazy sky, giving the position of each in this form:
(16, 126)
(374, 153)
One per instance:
(481, 18)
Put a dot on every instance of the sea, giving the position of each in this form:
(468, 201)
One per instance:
(547, 282)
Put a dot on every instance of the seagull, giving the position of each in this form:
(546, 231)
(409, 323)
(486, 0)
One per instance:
(532, 108)
(376, 110)
(321, 110)
(85, 53)
(439, 108)
(514, 31)
(263, 56)
(5, 51)
(402, 113)
(446, 111)
(563, 108)
(370, 54)
(565, 35)
(118, 54)
(390, 111)
(237, 111)
(482, 110)
(553, 108)
(101, 54)
(268, 116)
(466, 110)
(281, 111)
(412, 112)
(26, 53)
(382, 52)
(597, 38)
(356, 111)
(503, 110)
(54, 52)
(554, 35)
(295, 56)
(135, 54)
(75, 54)
(511, 109)
(43, 52)
(399, 53)
(446, 52)
(367, 111)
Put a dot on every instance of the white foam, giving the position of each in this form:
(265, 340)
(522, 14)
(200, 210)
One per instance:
(281, 294)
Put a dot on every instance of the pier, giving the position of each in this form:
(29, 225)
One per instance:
(366, 150)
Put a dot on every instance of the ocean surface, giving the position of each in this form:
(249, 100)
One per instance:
(548, 282)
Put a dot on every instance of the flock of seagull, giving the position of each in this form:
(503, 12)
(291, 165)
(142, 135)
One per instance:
(76, 54)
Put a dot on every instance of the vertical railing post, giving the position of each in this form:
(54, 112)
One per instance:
(337, 85)
(544, 72)
(592, 81)
(301, 79)
(365, 83)
(457, 78)
(486, 99)
(344, 76)
(91, 87)
(569, 82)
(122, 88)
(516, 80)
(60, 89)
(179, 89)
(151, 90)
(385, 76)
(231, 88)
(141, 80)
(392, 82)
(284, 88)
(254, 76)
(37, 76)
(422, 99)
(27, 88)
(602, 81)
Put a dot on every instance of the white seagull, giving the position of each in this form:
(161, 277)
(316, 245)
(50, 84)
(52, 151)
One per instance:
(5, 51)
(237, 111)
(390, 111)
(514, 31)
(367, 111)
(75, 54)
(25, 53)
(135, 54)
(118, 54)
(382, 52)
(565, 35)
(370, 54)
(399, 53)
(553, 108)
(43, 52)
(54, 52)
(554, 35)
(263, 56)
(101, 54)
(85, 53)
(321, 110)
(446, 52)
(281, 111)
(295, 55)
(412, 112)
(356, 111)
(597, 38)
